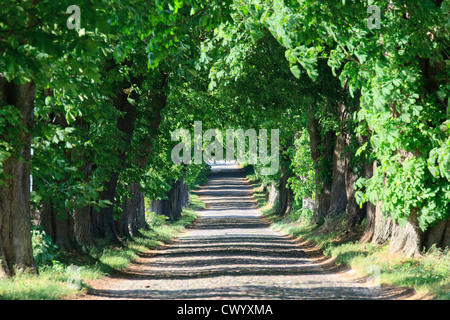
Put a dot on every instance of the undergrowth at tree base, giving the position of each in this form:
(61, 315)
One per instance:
(428, 274)
(63, 275)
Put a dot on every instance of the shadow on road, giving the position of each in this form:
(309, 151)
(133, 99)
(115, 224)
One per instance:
(232, 253)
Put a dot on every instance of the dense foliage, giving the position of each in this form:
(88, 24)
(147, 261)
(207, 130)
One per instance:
(391, 106)
(362, 112)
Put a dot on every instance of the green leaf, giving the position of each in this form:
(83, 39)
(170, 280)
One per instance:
(296, 71)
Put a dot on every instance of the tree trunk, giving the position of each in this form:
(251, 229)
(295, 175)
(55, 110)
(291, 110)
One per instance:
(69, 230)
(82, 228)
(15, 214)
(156, 207)
(338, 191)
(172, 206)
(370, 209)
(103, 221)
(59, 226)
(82, 219)
(103, 226)
(407, 239)
(445, 243)
(285, 194)
(133, 216)
(436, 235)
(322, 158)
(140, 219)
(379, 225)
(354, 212)
(274, 195)
(185, 196)
(383, 226)
(127, 223)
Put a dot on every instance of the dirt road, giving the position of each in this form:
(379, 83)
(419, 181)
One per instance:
(231, 253)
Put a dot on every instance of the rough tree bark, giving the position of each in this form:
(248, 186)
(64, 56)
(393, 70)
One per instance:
(338, 194)
(173, 205)
(133, 217)
(59, 226)
(127, 225)
(382, 227)
(15, 214)
(407, 239)
(370, 209)
(322, 155)
(82, 219)
(274, 195)
(185, 196)
(156, 207)
(82, 228)
(379, 225)
(285, 194)
(410, 239)
(354, 212)
(438, 235)
(103, 222)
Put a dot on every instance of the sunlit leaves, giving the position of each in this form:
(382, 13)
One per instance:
(400, 75)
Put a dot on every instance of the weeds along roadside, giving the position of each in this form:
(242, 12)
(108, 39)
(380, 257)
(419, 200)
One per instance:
(428, 274)
(62, 274)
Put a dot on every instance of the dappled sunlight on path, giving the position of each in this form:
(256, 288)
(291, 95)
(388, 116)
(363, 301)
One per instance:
(231, 253)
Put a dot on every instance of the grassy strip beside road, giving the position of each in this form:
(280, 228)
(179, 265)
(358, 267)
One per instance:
(428, 274)
(62, 274)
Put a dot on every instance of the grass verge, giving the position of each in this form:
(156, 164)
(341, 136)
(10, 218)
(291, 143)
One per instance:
(427, 275)
(61, 274)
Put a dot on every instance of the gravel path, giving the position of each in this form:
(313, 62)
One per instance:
(231, 253)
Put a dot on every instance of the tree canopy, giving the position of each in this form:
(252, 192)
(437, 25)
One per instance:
(88, 112)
